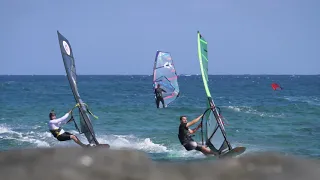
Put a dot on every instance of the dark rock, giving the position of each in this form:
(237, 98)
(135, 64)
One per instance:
(106, 164)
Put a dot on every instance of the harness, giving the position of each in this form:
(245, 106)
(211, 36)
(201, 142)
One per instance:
(158, 94)
(55, 132)
(184, 139)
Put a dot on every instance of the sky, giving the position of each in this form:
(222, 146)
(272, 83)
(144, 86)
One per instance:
(111, 37)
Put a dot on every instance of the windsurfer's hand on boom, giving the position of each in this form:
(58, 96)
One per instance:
(196, 129)
(69, 113)
(194, 120)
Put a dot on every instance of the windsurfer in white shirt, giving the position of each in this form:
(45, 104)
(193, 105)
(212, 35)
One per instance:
(56, 130)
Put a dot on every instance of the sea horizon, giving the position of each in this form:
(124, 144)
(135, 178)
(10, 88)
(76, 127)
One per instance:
(152, 74)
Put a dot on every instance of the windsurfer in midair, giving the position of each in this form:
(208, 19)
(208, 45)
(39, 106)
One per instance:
(186, 139)
(158, 92)
(56, 130)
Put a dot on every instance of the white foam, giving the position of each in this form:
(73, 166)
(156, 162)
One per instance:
(175, 151)
(237, 109)
(130, 141)
(6, 132)
(149, 146)
(45, 139)
(180, 152)
(37, 142)
(250, 110)
(4, 129)
(310, 100)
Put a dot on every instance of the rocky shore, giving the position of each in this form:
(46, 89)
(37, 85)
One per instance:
(105, 164)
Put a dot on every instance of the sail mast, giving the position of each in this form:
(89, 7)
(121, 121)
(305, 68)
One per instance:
(214, 129)
(69, 64)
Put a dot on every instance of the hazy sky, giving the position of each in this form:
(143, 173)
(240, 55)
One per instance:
(122, 37)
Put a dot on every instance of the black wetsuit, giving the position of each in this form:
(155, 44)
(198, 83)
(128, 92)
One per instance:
(185, 138)
(158, 93)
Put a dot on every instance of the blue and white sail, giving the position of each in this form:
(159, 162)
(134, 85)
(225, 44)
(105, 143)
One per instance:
(164, 73)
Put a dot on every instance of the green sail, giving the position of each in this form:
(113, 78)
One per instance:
(213, 131)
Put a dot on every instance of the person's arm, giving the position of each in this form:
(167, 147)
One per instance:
(194, 121)
(63, 119)
(192, 131)
(163, 90)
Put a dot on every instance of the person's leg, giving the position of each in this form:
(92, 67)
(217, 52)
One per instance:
(76, 140)
(157, 102)
(206, 151)
(162, 101)
(191, 145)
(66, 136)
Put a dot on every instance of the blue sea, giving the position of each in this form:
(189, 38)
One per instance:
(285, 121)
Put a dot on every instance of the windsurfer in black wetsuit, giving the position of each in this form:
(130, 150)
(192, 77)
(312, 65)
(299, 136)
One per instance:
(185, 136)
(158, 92)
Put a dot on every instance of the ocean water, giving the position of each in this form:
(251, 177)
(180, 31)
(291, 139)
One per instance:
(286, 121)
